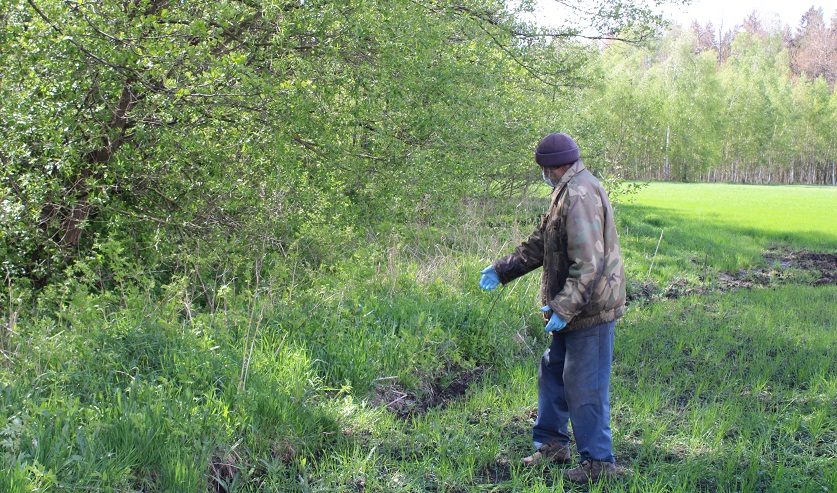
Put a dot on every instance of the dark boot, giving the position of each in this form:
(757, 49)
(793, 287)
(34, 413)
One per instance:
(551, 452)
(593, 470)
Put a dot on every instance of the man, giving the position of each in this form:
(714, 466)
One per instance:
(583, 293)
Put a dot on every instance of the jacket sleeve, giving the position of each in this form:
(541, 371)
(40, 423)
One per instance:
(527, 257)
(585, 251)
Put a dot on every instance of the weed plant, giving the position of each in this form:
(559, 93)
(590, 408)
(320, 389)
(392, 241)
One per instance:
(389, 370)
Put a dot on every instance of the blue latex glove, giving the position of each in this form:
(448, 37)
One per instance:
(555, 323)
(489, 279)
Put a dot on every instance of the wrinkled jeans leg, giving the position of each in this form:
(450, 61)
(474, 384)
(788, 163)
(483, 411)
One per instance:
(587, 372)
(574, 385)
(553, 413)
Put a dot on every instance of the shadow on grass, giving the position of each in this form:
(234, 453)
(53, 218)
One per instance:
(645, 223)
(729, 391)
(670, 252)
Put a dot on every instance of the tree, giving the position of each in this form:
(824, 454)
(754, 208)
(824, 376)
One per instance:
(718, 41)
(160, 126)
(814, 49)
(666, 113)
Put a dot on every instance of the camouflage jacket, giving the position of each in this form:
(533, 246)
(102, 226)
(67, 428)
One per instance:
(583, 278)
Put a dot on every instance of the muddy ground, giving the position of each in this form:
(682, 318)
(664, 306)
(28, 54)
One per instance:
(783, 266)
(444, 388)
(823, 265)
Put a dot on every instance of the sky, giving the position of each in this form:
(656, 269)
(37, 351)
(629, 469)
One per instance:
(732, 12)
(728, 12)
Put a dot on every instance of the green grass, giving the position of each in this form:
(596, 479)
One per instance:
(738, 393)
(709, 229)
(393, 372)
(802, 216)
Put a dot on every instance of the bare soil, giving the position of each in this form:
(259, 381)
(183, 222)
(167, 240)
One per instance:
(449, 386)
(823, 264)
(783, 266)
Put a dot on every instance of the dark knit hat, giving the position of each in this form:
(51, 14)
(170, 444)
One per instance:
(556, 150)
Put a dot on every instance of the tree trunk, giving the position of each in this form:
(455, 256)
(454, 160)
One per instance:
(74, 216)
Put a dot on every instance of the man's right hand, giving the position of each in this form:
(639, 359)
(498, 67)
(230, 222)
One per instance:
(489, 278)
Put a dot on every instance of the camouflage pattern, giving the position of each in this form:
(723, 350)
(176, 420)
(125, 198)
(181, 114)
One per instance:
(583, 278)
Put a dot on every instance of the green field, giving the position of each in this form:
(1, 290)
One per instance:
(394, 372)
(723, 227)
(774, 209)
(804, 217)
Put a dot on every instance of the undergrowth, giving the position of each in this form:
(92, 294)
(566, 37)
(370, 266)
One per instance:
(388, 369)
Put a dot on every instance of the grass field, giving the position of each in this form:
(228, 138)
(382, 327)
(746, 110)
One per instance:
(394, 372)
(800, 215)
(721, 227)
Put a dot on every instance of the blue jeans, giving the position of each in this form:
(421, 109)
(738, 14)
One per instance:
(574, 386)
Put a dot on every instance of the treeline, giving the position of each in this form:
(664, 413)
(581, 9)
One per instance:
(752, 105)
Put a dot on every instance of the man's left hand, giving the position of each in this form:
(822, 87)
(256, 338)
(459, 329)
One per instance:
(555, 323)
(489, 279)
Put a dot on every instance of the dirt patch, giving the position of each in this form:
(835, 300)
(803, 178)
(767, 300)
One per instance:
(441, 393)
(358, 485)
(223, 468)
(823, 265)
(492, 475)
(641, 292)
(745, 279)
(390, 394)
(783, 266)
(449, 386)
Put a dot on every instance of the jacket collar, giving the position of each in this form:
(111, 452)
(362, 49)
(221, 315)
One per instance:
(575, 169)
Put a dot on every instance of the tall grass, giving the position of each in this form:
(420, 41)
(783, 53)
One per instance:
(390, 370)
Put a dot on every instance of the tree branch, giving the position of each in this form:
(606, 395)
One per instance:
(79, 46)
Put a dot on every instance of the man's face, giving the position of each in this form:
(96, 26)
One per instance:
(547, 178)
(553, 175)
